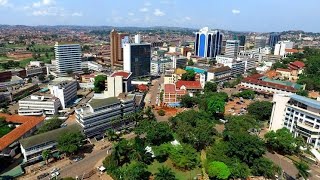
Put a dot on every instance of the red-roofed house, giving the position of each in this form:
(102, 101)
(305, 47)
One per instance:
(142, 88)
(288, 74)
(26, 125)
(172, 94)
(291, 51)
(297, 65)
(126, 79)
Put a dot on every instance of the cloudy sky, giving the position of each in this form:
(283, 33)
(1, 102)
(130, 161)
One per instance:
(242, 15)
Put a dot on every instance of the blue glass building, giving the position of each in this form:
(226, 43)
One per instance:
(208, 43)
(274, 38)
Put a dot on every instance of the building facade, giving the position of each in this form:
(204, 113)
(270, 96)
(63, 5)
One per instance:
(260, 42)
(117, 41)
(281, 46)
(66, 91)
(137, 59)
(37, 105)
(301, 115)
(232, 48)
(100, 115)
(68, 59)
(219, 74)
(208, 43)
(274, 38)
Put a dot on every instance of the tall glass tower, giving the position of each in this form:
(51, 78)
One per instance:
(208, 43)
(274, 38)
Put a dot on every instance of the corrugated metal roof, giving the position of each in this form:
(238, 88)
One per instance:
(309, 102)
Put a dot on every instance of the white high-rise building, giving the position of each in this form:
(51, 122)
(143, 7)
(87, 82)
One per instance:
(281, 46)
(232, 48)
(301, 115)
(137, 39)
(66, 91)
(208, 43)
(68, 59)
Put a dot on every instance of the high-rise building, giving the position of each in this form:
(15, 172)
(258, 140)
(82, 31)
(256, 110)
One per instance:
(117, 41)
(300, 115)
(281, 46)
(208, 43)
(260, 42)
(68, 59)
(274, 38)
(137, 59)
(66, 91)
(232, 48)
(242, 39)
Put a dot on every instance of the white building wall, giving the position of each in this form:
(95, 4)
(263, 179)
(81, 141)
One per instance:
(127, 57)
(278, 111)
(115, 86)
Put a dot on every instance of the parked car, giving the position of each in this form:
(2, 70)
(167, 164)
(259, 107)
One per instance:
(55, 170)
(42, 176)
(55, 174)
(77, 159)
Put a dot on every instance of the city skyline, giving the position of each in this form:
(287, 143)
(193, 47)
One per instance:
(266, 16)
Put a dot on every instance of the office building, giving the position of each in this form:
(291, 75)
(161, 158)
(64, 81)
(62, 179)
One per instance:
(32, 147)
(36, 68)
(159, 66)
(281, 46)
(179, 62)
(260, 42)
(274, 38)
(100, 115)
(208, 43)
(68, 59)
(241, 39)
(300, 115)
(37, 105)
(219, 74)
(137, 59)
(126, 80)
(117, 41)
(66, 91)
(232, 48)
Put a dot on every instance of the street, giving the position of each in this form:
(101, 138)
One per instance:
(154, 92)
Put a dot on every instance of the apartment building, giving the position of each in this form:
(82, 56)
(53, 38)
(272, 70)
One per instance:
(66, 91)
(219, 74)
(301, 115)
(32, 147)
(37, 105)
(100, 115)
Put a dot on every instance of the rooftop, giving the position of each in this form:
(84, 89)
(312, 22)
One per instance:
(189, 84)
(124, 74)
(219, 69)
(27, 123)
(48, 136)
(97, 103)
(310, 102)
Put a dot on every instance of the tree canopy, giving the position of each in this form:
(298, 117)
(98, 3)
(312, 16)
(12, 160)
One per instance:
(50, 124)
(264, 167)
(261, 110)
(246, 94)
(218, 170)
(210, 87)
(99, 83)
(70, 142)
(189, 75)
(165, 173)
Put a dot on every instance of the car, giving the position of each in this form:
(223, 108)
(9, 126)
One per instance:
(55, 174)
(77, 159)
(42, 176)
(55, 170)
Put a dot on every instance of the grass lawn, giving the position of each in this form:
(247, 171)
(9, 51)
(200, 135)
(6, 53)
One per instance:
(4, 130)
(181, 175)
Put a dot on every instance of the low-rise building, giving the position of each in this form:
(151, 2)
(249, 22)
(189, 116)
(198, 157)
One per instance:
(32, 147)
(100, 115)
(36, 68)
(287, 74)
(66, 91)
(172, 95)
(301, 115)
(265, 85)
(219, 74)
(190, 86)
(95, 66)
(37, 105)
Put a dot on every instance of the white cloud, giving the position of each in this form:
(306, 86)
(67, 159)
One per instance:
(48, 2)
(147, 4)
(158, 12)
(235, 11)
(43, 3)
(144, 9)
(77, 14)
(130, 13)
(3, 2)
(187, 18)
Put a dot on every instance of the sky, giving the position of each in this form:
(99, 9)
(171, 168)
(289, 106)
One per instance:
(237, 15)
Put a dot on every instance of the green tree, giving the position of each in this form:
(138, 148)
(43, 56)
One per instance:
(189, 75)
(161, 112)
(302, 92)
(303, 170)
(264, 167)
(246, 94)
(112, 135)
(218, 170)
(246, 147)
(99, 83)
(69, 72)
(165, 173)
(46, 155)
(187, 101)
(239, 170)
(282, 141)
(51, 77)
(50, 124)
(261, 109)
(159, 133)
(70, 142)
(135, 170)
(190, 62)
(41, 77)
(148, 112)
(184, 157)
(210, 87)
(29, 80)
(278, 64)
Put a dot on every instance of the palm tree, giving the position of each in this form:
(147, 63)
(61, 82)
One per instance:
(111, 135)
(303, 169)
(165, 173)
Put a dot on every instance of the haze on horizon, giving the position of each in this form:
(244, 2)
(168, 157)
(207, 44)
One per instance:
(237, 15)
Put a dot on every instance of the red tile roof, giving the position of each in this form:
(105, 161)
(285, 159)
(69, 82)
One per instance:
(282, 69)
(27, 123)
(297, 65)
(171, 88)
(257, 81)
(189, 84)
(142, 87)
(124, 74)
(292, 50)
